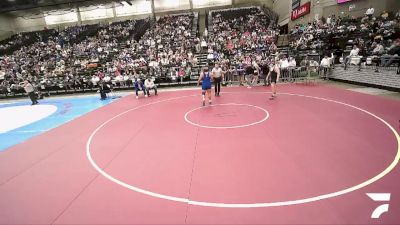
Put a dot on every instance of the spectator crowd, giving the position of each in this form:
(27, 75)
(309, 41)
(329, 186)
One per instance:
(240, 41)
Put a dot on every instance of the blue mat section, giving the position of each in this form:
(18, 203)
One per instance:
(67, 110)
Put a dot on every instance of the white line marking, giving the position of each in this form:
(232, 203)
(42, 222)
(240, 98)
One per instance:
(227, 127)
(247, 205)
(30, 131)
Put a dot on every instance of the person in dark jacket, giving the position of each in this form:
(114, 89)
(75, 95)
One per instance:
(240, 72)
(393, 54)
(103, 90)
(139, 86)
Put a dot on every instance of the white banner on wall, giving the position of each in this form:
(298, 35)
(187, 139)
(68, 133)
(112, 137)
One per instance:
(170, 5)
(137, 8)
(210, 3)
(96, 12)
(59, 17)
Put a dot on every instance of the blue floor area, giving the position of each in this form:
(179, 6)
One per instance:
(67, 110)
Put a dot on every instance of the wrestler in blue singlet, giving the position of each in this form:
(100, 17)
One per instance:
(205, 78)
(206, 85)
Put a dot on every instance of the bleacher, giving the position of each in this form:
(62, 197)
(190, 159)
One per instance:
(388, 78)
(64, 61)
(241, 24)
(71, 76)
(26, 39)
(61, 75)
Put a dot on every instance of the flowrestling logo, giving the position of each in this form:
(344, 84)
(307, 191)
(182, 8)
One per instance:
(380, 197)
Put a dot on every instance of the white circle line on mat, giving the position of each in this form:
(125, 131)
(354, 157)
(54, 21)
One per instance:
(227, 127)
(247, 205)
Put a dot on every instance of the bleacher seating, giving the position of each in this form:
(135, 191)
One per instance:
(170, 49)
(62, 61)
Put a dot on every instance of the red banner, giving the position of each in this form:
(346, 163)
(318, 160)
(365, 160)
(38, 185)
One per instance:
(301, 11)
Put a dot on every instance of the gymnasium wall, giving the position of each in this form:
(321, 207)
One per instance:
(32, 20)
(361, 6)
(267, 3)
(282, 8)
(317, 10)
(22, 24)
(328, 7)
(6, 27)
(21, 21)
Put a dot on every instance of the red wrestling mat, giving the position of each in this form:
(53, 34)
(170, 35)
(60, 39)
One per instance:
(308, 157)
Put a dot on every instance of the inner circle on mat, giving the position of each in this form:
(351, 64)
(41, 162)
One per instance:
(226, 116)
(238, 204)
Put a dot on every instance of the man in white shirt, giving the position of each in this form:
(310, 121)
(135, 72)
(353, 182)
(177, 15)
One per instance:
(354, 51)
(210, 57)
(203, 44)
(120, 79)
(292, 62)
(284, 63)
(95, 79)
(325, 62)
(256, 73)
(329, 20)
(2, 74)
(313, 63)
(370, 12)
(325, 65)
(291, 67)
(126, 79)
(149, 84)
(284, 68)
(107, 78)
(198, 48)
(217, 76)
(164, 61)
(378, 50)
(28, 87)
(353, 57)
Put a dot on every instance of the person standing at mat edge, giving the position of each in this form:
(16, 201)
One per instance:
(28, 87)
(274, 74)
(205, 77)
(218, 77)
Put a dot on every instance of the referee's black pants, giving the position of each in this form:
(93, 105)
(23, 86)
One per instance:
(32, 96)
(217, 82)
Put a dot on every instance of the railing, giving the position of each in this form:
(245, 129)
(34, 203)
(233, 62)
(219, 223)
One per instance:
(376, 63)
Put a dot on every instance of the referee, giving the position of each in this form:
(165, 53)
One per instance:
(217, 76)
(31, 92)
